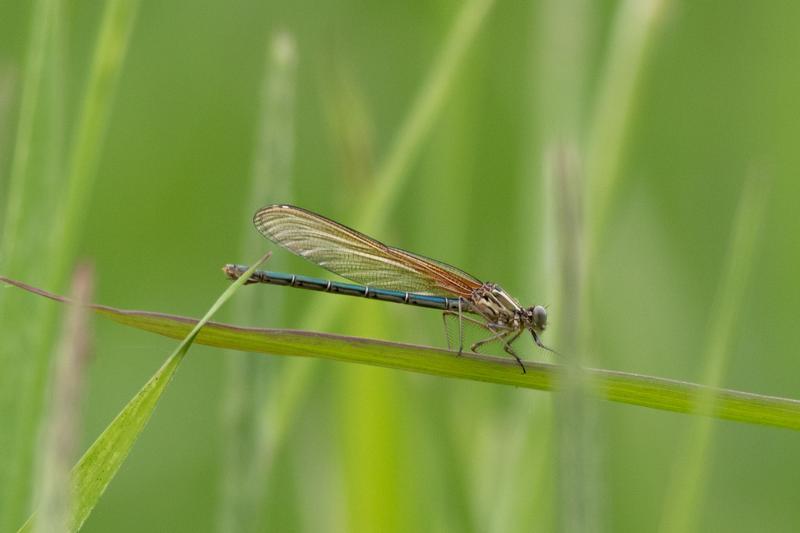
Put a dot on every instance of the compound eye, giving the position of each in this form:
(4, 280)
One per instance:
(539, 316)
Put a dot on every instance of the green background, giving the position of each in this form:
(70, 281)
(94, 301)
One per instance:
(380, 450)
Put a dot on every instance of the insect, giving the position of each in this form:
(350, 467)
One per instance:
(391, 274)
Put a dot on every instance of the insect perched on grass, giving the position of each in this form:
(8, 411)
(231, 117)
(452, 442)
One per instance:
(394, 275)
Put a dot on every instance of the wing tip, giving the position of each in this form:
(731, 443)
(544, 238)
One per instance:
(262, 212)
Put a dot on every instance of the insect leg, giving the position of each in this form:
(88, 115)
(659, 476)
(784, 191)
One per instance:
(461, 318)
(497, 335)
(509, 350)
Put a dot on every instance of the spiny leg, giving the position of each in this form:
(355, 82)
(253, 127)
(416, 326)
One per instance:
(447, 330)
(461, 319)
(497, 335)
(502, 335)
(509, 350)
(460, 327)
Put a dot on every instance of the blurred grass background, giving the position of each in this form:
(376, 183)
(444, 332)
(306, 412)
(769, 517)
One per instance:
(376, 450)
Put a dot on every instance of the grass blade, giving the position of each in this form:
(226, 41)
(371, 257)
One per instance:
(624, 387)
(578, 473)
(17, 440)
(62, 423)
(109, 53)
(684, 493)
(102, 460)
(423, 112)
(635, 28)
(285, 399)
(59, 217)
(247, 453)
(31, 100)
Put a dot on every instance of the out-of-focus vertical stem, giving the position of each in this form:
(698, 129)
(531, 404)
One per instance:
(60, 226)
(7, 84)
(635, 27)
(61, 424)
(582, 188)
(41, 24)
(426, 108)
(567, 33)
(692, 461)
(109, 54)
(285, 398)
(247, 446)
(579, 493)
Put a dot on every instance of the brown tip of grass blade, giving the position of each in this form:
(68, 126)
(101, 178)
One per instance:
(61, 426)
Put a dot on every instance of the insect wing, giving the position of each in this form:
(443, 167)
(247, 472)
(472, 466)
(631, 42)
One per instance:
(359, 258)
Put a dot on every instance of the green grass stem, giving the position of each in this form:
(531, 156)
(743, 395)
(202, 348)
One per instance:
(17, 439)
(247, 448)
(102, 460)
(692, 460)
(97, 103)
(61, 422)
(64, 224)
(42, 22)
(286, 397)
(635, 28)
(624, 387)
(424, 111)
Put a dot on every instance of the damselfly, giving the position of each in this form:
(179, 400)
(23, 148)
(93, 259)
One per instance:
(391, 274)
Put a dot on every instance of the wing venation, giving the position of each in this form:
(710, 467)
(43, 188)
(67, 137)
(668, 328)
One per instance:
(357, 257)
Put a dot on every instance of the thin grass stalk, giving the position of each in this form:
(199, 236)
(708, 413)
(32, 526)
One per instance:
(368, 399)
(624, 387)
(100, 463)
(65, 221)
(577, 445)
(106, 65)
(557, 84)
(456, 464)
(55, 143)
(392, 173)
(7, 83)
(524, 450)
(286, 397)
(631, 36)
(115, 29)
(360, 484)
(351, 125)
(424, 111)
(44, 12)
(446, 460)
(38, 135)
(98, 97)
(567, 30)
(692, 461)
(636, 26)
(247, 450)
(61, 424)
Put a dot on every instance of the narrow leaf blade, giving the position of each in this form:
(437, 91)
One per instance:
(102, 460)
(624, 387)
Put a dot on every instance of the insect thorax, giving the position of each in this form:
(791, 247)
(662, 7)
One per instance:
(496, 305)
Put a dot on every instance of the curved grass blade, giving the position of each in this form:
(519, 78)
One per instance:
(624, 387)
(102, 460)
